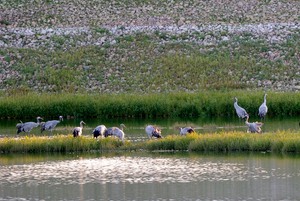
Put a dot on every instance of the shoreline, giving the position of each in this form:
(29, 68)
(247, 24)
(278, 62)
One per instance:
(226, 142)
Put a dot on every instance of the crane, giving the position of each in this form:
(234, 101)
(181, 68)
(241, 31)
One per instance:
(254, 127)
(263, 108)
(115, 131)
(186, 130)
(153, 131)
(241, 112)
(50, 125)
(77, 131)
(28, 126)
(99, 131)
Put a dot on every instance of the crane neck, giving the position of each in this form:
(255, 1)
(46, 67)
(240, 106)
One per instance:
(236, 105)
(247, 120)
(81, 124)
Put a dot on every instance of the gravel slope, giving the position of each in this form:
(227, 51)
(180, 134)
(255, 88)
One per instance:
(35, 24)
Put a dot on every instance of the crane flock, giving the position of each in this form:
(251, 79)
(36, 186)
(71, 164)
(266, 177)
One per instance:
(254, 127)
(152, 131)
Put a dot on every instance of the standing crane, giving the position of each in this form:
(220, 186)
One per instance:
(241, 112)
(50, 125)
(115, 131)
(77, 131)
(99, 131)
(263, 108)
(186, 130)
(253, 127)
(28, 126)
(153, 131)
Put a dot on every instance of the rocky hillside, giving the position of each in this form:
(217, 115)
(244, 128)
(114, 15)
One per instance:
(149, 46)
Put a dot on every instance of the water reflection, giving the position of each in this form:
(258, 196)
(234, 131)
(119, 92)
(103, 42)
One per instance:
(145, 176)
(133, 170)
(125, 169)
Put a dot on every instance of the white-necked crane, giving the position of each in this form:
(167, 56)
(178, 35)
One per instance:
(263, 108)
(77, 131)
(115, 131)
(254, 127)
(241, 112)
(186, 130)
(153, 131)
(99, 131)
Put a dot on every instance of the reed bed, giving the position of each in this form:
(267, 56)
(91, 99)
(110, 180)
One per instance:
(277, 142)
(206, 103)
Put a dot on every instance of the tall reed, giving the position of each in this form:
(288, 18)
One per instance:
(151, 105)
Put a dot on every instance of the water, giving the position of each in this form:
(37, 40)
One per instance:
(135, 127)
(150, 176)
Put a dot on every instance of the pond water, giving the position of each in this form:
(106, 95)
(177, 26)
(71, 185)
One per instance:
(150, 176)
(135, 127)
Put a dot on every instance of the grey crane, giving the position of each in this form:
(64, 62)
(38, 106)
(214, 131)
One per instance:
(263, 108)
(153, 131)
(115, 131)
(254, 127)
(186, 130)
(99, 131)
(241, 112)
(50, 125)
(28, 126)
(77, 131)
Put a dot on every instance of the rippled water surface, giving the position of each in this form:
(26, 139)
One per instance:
(157, 176)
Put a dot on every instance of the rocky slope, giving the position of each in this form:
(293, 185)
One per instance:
(52, 24)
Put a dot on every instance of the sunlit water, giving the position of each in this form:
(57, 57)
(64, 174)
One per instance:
(158, 176)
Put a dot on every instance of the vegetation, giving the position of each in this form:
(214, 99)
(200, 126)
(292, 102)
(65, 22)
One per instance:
(146, 63)
(207, 103)
(59, 143)
(281, 141)
(278, 142)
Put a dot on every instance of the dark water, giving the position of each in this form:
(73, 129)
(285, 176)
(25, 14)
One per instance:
(150, 176)
(135, 127)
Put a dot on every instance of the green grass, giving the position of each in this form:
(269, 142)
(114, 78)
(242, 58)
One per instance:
(22, 105)
(59, 143)
(141, 63)
(28, 105)
(277, 142)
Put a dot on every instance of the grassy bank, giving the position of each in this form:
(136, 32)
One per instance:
(278, 142)
(59, 143)
(152, 105)
(281, 141)
(101, 46)
(146, 63)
